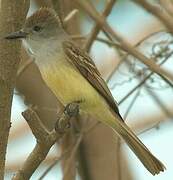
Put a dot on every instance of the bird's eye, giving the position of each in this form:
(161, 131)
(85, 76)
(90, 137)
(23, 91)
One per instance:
(37, 28)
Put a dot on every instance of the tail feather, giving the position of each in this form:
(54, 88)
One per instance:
(153, 165)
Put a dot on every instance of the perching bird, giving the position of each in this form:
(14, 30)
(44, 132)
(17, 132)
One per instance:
(72, 76)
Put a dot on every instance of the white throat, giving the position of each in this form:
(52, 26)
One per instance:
(43, 49)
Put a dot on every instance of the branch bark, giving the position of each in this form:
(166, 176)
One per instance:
(10, 20)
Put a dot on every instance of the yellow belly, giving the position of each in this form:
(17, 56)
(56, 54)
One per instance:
(69, 85)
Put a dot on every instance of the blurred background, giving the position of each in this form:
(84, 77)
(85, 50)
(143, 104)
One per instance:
(148, 110)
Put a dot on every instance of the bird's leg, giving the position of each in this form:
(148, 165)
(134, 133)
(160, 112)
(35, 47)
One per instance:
(71, 110)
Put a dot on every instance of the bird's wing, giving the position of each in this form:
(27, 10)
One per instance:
(87, 68)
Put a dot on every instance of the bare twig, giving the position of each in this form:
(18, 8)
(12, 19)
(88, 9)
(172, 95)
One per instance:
(168, 5)
(24, 67)
(119, 167)
(71, 150)
(57, 5)
(13, 166)
(158, 102)
(110, 43)
(143, 81)
(96, 28)
(131, 104)
(148, 122)
(57, 160)
(91, 11)
(72, 154)
(69, 16)
(45, 139)
(157, 11)
(10, 20)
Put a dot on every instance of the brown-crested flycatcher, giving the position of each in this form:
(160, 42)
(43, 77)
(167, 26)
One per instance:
(73, 77)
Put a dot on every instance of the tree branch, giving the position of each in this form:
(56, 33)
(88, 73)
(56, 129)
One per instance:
(96, 28)
(45, 139)
(168, 5)
(55, 162)
(156, 10)
(10, 20)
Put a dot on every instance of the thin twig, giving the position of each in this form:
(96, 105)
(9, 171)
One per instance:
(109, 42)
(131, 104)
(157, 11)
(127, 54)
(143, 81)
(71, 149)
(156, 125)
(69, 16)
(58, 7)
(24, 67)
(57, 160)
(158, 101)
(96, 28)
(92, 12)
(168, 5)
(119, 172)
(72, 154)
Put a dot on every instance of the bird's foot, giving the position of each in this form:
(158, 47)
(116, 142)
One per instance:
(70, 110)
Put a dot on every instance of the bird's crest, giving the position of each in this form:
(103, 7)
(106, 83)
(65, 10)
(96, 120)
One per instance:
(42, 15)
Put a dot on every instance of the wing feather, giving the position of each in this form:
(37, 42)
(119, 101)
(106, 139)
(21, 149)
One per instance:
(87, 68)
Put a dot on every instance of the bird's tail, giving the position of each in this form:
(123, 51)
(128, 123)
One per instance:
(153, 165)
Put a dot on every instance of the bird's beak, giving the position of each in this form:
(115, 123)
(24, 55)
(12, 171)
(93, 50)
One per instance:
(16, 35)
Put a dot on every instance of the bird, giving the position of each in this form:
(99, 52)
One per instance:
(70, 73)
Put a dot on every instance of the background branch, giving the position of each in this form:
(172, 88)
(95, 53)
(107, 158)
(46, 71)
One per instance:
(91, 11)
(95, 30)
(158, 12)
(168, 5)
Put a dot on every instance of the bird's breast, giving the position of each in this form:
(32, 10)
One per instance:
(68, 85)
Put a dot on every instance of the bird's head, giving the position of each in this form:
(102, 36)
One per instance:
(41, 27)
